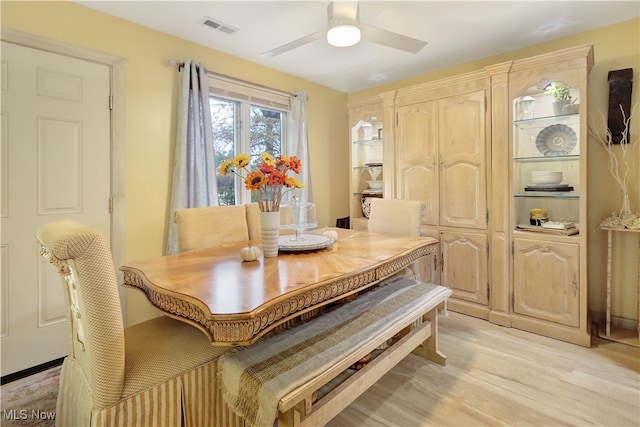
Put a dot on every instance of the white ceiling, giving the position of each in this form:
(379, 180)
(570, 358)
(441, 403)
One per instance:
(456, 32)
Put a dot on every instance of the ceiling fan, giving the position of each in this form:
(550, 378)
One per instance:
(345, 29)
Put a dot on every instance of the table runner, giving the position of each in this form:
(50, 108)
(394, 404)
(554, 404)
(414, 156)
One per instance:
(255, 378)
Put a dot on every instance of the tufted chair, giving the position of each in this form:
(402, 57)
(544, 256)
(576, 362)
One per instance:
(161, 372)
(216, 225)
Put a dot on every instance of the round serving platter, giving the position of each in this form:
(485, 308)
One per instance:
(304, 242)
(556, 140)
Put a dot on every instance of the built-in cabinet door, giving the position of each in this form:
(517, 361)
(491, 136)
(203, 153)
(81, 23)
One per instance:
(546, 281)
(464, 265)
(417, 157)
(462, 148)
(441, 159)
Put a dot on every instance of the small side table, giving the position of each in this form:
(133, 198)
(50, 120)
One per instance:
(612, 333)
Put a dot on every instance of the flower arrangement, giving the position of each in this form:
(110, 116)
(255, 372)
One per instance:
(269, 181)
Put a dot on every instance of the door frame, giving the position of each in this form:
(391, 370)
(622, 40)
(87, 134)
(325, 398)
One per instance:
(116, 66)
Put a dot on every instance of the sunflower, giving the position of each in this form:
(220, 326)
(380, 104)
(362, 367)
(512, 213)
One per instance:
(226, 167)
(268, 159)
(241, 160)
(293, 182)
(255, 180)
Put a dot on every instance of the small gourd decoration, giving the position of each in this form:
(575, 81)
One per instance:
(250, 253)
(332, 234)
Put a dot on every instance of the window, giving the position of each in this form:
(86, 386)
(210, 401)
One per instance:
(245, 119)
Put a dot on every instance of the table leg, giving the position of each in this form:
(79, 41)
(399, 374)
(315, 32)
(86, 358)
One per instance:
(609, 249)
(606, 329)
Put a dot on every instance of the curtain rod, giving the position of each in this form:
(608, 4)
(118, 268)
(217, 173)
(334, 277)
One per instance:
(175, 63)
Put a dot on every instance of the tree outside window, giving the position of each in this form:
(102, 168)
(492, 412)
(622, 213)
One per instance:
(264, 133)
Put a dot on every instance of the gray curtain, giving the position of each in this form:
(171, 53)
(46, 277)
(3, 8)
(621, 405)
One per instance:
(297, 144)
(194, 171)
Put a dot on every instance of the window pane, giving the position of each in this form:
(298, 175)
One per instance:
(265, 132)
(223, 117)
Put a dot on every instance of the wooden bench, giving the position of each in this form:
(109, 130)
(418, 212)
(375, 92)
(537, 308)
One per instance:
(389, 327)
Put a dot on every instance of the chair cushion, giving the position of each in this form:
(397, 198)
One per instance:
(210, 226)
(161, 348)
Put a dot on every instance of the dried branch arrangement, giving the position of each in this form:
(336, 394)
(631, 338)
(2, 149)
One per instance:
(620, 170)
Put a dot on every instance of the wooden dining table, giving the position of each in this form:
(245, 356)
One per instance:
(236, 302)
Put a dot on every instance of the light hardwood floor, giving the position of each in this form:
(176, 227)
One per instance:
(498, 376)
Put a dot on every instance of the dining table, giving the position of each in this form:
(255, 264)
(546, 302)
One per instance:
(236, 302)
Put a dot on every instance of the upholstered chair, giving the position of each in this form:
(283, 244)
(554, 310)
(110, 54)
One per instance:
(211, 226)
(395, 216)
(253, 221)
(161, 372)
(399, 216)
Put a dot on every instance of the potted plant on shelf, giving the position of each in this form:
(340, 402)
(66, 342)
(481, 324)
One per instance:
(561, 95)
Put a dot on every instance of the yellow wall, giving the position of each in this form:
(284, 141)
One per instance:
(615, 47)
(150, 125)
(151, 93)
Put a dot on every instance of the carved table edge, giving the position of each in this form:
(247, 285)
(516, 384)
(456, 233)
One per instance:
(246, 331)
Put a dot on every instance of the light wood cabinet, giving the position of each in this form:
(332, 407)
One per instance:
(463, 183)
(440, 155)
(467, 146)
(464, 266)
(417, 161)
(549, 271)
(546, 283)
(440, 158)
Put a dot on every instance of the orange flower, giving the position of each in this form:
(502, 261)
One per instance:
(269, 181)
(277, 178)
(266, 168)
(295, 164)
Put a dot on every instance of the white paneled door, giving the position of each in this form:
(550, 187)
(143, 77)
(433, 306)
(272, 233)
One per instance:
(55, 165)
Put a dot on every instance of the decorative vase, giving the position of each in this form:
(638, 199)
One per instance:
(366, 206)
(270, 226)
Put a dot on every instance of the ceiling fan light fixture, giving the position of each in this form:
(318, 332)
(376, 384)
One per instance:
(343, 35)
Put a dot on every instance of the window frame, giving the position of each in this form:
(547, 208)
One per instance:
(245, 95)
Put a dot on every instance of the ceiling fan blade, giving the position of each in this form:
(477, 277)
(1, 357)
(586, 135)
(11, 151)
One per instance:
(294, 44)
(390, 39)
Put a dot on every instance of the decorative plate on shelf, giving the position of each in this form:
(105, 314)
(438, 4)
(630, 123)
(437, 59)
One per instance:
(556, 140)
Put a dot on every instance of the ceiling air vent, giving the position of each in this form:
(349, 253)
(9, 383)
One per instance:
(217, 25)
